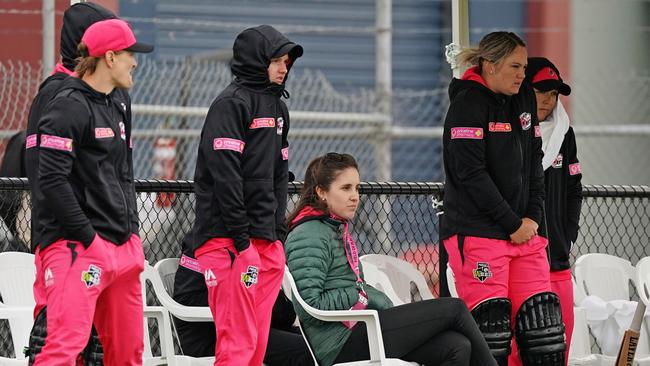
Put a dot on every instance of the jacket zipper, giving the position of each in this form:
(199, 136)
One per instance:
(117, 174)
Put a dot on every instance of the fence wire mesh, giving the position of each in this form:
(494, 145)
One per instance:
(166, 139)
(397, 219)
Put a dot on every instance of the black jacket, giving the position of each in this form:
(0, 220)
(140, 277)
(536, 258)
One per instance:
(563, 202)
(75, 21)
(242, 165)
(492, 157)
(84, 178)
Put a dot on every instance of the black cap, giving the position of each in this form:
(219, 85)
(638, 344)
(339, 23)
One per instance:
(544, 76)
(292, 49)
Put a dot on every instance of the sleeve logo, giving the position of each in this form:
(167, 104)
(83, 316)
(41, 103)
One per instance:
(224, 143)
(472, 133)
(30, 141)
(262, 123)
(538, 131)
(574, 169)
(56, 142)
(285, 153)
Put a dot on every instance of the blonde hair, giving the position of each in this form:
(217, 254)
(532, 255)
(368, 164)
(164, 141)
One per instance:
(494, 47)
(85, 64)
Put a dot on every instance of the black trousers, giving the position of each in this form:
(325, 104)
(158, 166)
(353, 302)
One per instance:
(286, 346)
(432, 332)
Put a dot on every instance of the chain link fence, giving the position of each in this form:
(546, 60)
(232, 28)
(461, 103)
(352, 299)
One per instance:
(171, 97)
(397, 219)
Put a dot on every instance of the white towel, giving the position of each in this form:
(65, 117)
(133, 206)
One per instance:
(553, 129)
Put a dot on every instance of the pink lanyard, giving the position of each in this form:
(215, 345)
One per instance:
(352, 255)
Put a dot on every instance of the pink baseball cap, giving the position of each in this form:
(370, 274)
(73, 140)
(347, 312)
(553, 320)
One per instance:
(112, 35)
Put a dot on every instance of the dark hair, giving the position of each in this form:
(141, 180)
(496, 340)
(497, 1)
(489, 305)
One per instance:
(85, 64)
(494, 47)
(321, 172)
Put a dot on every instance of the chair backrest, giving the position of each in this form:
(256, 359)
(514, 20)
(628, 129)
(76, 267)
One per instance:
(643, 280)
(167, 268)
(402, 275)
(379, 280)
(17, 275)
(451, 282)
(605, 276)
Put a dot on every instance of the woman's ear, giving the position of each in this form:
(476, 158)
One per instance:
(320, 192)
(109, 56)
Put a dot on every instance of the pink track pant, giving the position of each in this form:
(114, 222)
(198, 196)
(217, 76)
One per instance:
(100, 285)
(242, 289)
(562, 285)
(491, 268)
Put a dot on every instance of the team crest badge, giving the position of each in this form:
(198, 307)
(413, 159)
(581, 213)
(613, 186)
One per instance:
(557, 163)
(525, 120)
(91, 277)
(122, 131)
(250, 277)
(482, 271)
(280, 123)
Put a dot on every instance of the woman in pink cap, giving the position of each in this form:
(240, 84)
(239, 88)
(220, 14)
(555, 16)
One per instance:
(89, 249)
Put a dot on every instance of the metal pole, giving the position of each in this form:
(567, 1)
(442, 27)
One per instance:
(48, 37)
(460, 27)
(384, 84)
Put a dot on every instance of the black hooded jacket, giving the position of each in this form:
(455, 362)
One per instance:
(563, 203)
(84, 179)
(492, 157)
(242, 166)
(75, 21)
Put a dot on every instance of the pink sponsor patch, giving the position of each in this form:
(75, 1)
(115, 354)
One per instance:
(56, 142)
(130, 142)
(262, 123)
(538, 131)
(190, 263)
(285, 153)
(499, 127)
(574, 169)
(104, 133)
(224, 143)
(30, 141)
(472, 133)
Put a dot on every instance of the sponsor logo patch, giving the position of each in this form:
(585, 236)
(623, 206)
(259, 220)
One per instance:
(130, 142)
(574, 169)
(210, 278)
(92, 276)
(557, 163)
(190, 263)
(48, 277)
(56, 142)
(224, 143)
(104, 132)
(525, 120)
(262, 123)
(30, 141)
(250, 277)
(499, 127)
(472, 133)
(538, 131)
(122, 131)
(482, 271)
(285, 153)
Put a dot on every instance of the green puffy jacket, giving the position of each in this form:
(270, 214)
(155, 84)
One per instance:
(317, 261)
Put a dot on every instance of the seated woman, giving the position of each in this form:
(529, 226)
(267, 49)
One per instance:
(323, 260)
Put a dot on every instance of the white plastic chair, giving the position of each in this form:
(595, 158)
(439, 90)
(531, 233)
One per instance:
(609, 277)
(170, 306)
(370, 317)
(401, 275)
(379, 280)
(451, 282)
(17, 275)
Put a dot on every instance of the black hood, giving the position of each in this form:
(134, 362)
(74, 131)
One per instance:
(471, 79)
(252, 53)
(75, 21)
(92, 94)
